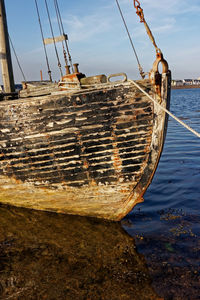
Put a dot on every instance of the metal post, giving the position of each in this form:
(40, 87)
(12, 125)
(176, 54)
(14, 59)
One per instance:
(5, 56)
(41, 76)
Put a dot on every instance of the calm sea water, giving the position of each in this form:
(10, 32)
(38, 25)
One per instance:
(167, 225)
(53, 256)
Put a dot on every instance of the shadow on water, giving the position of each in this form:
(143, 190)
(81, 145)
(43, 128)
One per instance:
(49, 256)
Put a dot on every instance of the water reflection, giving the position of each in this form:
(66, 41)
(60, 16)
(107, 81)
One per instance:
(166, 226)
(50, 256)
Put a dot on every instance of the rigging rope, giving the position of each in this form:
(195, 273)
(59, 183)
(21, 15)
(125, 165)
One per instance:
(139, 12)
(60, 23)
(45, 51)
(17, 58)
(131, 41)
(59, 64)
(165, 110)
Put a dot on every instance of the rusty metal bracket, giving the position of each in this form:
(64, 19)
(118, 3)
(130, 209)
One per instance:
(160, 59)
(154, 75)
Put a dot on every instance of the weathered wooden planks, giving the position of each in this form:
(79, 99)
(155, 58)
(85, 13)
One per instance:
(80, 153)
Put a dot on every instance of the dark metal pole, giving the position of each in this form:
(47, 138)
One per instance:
(5, 55)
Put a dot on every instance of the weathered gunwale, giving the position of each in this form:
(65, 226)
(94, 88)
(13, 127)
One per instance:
(100, 187)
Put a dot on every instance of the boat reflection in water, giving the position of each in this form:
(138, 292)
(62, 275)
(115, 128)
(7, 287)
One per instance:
(49, 256)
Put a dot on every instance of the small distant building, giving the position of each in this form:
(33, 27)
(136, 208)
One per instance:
(177, 82)
(184, 82)
(196, 81)
(187, 81)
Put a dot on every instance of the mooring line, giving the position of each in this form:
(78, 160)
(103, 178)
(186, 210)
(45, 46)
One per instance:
(131, 41)
(166, 110)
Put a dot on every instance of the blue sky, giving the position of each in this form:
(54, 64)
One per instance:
(97, 38)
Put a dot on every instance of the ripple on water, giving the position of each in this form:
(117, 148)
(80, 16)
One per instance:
(167, 224)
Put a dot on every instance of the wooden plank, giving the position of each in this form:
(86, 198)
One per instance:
(56, 39)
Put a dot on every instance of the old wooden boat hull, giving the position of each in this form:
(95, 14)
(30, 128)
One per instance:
(90, 152)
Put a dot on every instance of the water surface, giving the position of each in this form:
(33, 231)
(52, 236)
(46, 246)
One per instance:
(167, 225)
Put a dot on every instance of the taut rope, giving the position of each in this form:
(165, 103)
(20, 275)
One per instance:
(61, 28)
(52, 33)
(139, 12)
(166, 110)
(17, 58)
(42, 34)
(131, 41)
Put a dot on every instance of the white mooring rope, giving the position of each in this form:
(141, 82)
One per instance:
(167, 111)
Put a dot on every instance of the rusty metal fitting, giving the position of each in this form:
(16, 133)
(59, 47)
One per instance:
(160, 59)
(140, 14)
(67, 70)
(158, 50)
(76, 70)
(154, 75)
(139, 11)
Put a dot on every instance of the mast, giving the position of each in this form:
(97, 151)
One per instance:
(5, 55)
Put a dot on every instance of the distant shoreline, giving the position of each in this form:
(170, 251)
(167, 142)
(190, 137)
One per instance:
(182, 87)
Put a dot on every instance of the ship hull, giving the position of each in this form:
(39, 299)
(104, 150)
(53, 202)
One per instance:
(92, 152)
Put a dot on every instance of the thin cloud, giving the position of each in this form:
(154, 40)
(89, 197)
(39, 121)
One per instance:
(99, 41)
(84, 28)
(170, 7)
